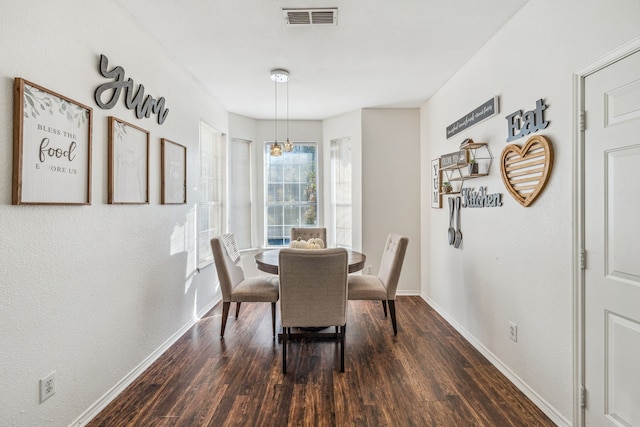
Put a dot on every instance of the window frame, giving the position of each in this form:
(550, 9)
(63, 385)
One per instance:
(298, 203)
(210, 176)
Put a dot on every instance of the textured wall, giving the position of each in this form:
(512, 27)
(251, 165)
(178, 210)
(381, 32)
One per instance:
(516, 263)
(91, 291)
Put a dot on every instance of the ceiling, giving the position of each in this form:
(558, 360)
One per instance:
(381, 53)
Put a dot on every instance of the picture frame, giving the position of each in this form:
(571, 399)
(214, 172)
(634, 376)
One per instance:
(463, 157)
(51, 147)
(449, 160)
(173, 159)
(436, 181)
(128, 163)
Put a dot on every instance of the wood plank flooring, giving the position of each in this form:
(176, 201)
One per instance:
(427, 375)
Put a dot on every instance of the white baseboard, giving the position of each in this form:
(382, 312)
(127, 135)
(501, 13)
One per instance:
(544, 406)
(101, 403)
(407, 293)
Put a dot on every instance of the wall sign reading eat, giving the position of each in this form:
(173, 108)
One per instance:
(519, 125)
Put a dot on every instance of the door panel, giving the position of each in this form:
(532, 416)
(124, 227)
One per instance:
(622, 175)
(622, 375)
(612, 244)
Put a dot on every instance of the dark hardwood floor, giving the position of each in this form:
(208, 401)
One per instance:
(427, 375)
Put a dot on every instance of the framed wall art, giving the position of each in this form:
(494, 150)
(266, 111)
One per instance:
(128, 163)
(173, 160)
(436, 179)
(51, 147)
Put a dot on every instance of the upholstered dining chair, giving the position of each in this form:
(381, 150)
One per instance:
(313, 294)
(235, 287)
(383, 286)
(306, 233)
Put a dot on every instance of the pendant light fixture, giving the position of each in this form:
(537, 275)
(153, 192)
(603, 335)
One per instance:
(288, 145)
(279, 76)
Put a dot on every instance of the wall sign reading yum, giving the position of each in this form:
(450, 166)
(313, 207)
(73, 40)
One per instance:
(526, 123)
(143, 106)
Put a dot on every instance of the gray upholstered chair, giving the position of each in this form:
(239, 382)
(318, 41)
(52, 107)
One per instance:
(382, 286)
(306, 233)
(235, 287)
(313, 294)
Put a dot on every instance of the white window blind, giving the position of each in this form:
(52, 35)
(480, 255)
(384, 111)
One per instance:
(210, 213)
(341, 184)
(239, 192)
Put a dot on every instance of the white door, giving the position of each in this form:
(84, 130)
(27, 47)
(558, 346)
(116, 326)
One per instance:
(612, 244)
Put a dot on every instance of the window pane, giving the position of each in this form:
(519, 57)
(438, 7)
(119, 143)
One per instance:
(239, 198)
(341, 184)
(210, 208)
(291, 191)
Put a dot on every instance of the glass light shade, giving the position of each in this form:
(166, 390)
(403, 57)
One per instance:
(288, 146)
(276, 149)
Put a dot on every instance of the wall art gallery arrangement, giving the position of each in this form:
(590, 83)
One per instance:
(525, 170)
(52, 137)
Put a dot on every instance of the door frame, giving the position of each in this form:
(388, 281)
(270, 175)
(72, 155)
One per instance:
(579, 77)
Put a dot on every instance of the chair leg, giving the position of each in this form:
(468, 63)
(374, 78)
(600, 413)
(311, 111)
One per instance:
(225, 314)
(237, 309)
(273, 318)
(392, 311)
(284, 350)
(342, 342)
(384, 307)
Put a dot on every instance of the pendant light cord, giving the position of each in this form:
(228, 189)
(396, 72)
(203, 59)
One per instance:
(275, 82)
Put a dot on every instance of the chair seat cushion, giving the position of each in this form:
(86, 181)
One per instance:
(366, 287)
(256, 289)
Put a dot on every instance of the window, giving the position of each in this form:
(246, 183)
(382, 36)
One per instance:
(341, 203)
(210, 213)
(291, 191)
(239, 191)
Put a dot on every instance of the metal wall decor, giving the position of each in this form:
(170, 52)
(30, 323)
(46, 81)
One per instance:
(143, 106)
(526, 170)
(529, 122)
(480, 198)
(483, 112)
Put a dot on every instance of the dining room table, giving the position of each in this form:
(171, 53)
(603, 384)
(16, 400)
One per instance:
(267, 260)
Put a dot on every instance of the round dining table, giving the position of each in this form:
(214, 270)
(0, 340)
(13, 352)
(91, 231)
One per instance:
(267, 261)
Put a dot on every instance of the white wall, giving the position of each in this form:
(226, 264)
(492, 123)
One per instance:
(516, 263)
(391, 188)
(92, 291)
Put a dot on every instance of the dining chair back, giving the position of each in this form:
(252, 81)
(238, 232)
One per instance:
(313, 293)
(235, 287)
(384, 285)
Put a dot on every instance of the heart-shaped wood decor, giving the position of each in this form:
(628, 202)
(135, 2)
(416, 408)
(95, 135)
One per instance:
(525, 170)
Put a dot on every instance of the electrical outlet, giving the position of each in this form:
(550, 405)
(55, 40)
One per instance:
(369, 269)
(47, 386)
(513, 331)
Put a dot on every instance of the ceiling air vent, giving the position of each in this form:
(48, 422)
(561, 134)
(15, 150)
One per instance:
(311, 16)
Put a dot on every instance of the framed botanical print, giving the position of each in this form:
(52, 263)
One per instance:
(128, 163)
(51, 147)
(173, 160)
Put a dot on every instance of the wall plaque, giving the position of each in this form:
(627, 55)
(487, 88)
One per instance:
(133, 100)
(525, 170)
(484, 111)
(524, 124)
